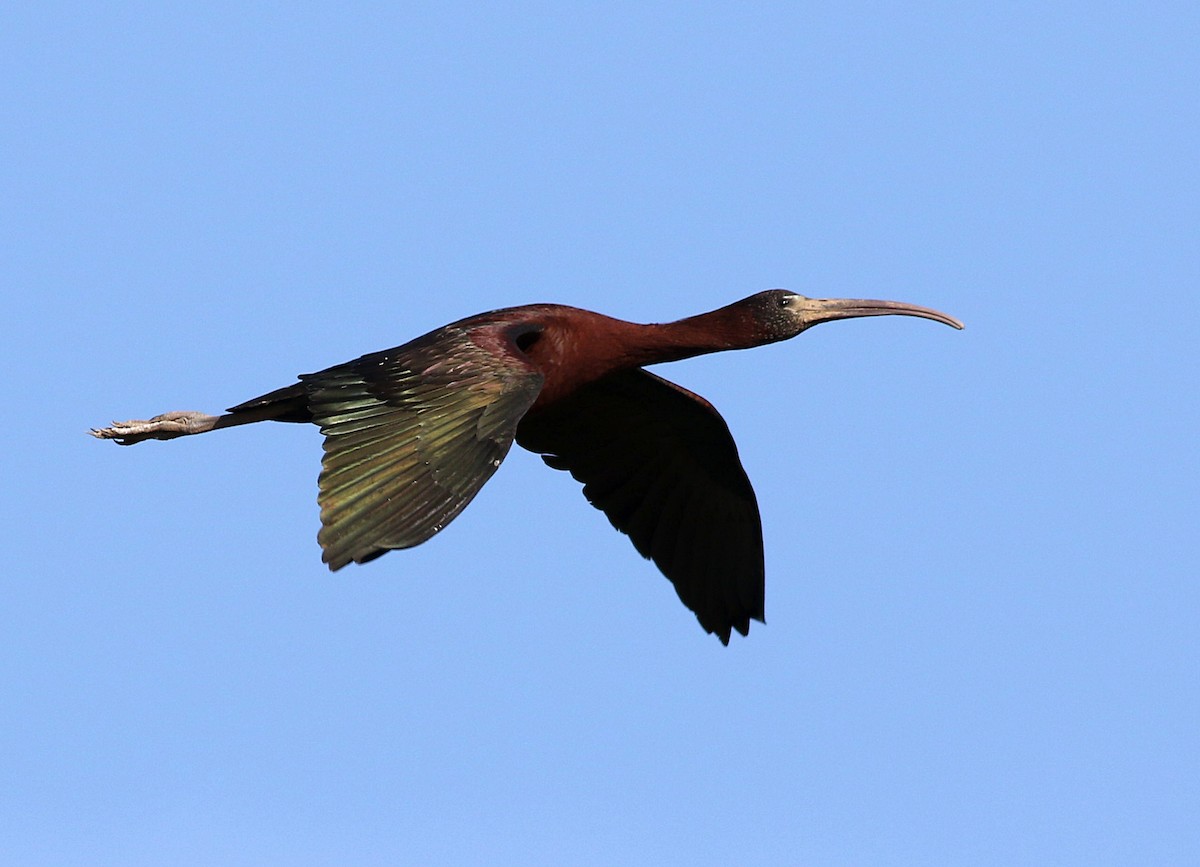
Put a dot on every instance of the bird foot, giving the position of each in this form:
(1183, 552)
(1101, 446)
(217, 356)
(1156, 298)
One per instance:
(162, 427)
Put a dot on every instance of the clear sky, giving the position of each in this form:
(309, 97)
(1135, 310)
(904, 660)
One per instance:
(983, 582)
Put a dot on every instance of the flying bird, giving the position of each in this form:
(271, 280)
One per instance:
(412, 433)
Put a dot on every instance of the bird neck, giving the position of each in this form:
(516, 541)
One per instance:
(575, 347)
(731, 327)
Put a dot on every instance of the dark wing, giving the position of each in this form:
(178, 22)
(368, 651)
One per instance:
(660, 462)
(411, 435)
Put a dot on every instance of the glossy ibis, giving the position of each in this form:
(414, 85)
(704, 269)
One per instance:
(412, 433)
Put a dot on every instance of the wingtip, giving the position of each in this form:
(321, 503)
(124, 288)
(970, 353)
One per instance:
(725, 631)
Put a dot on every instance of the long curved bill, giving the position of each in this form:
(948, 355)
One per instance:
(828, 309)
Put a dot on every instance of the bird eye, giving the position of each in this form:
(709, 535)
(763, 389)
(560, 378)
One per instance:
(785, 300)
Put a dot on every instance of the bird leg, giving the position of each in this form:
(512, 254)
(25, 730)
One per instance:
(162, 427)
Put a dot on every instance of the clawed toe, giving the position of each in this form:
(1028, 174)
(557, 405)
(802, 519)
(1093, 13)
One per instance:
(162, 427)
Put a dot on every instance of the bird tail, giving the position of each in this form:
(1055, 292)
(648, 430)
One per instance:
(289, 403)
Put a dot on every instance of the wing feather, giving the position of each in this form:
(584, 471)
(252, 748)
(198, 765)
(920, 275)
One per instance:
(412, 434)
(660, 462)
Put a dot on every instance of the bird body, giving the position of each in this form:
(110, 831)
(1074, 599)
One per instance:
(412, 433)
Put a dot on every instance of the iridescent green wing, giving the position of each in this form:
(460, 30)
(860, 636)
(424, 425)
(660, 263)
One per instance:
(660, 462)
(411, 435)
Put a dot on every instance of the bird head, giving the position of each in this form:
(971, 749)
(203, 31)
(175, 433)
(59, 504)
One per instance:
(782, 314)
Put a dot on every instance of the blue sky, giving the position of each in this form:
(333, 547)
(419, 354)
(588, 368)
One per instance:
(981, 546)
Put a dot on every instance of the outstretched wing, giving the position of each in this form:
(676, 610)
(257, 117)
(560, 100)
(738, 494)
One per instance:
(412, 434)
(660, 462)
